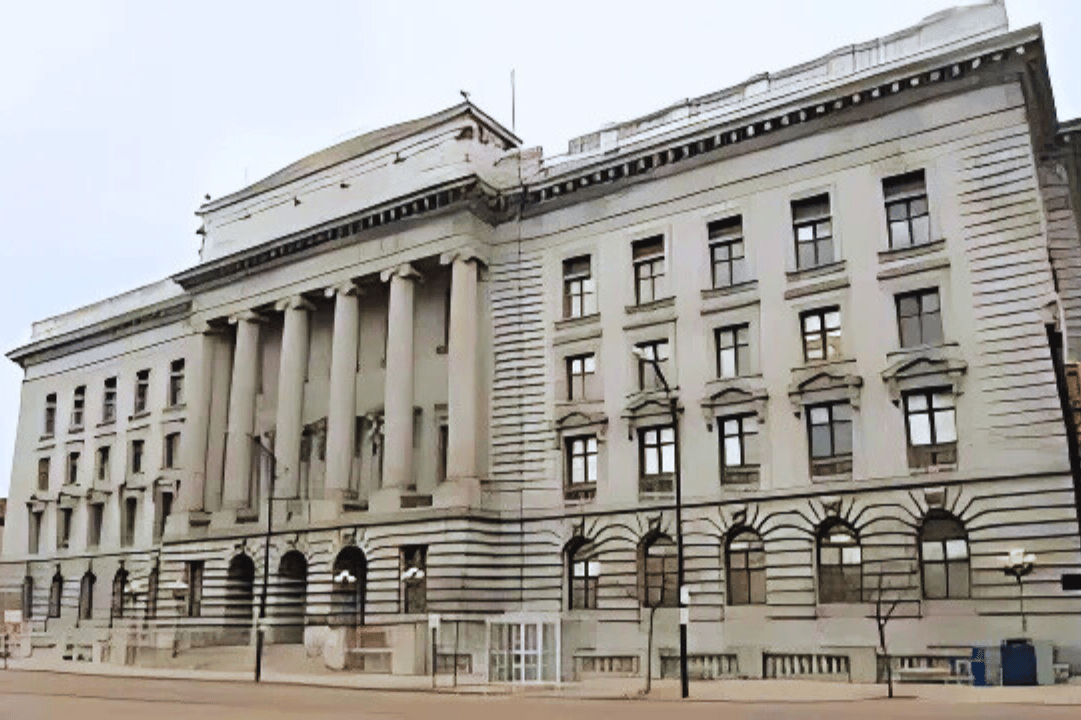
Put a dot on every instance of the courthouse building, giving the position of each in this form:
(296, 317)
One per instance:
(435, 356)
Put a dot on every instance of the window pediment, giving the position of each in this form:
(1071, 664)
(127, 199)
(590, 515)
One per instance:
(933, 366)
(98, 496)
(581, 419)
(648, 407)
(826, 383)
(734, 396)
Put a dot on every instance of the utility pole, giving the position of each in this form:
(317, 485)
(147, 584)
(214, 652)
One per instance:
(260, 628)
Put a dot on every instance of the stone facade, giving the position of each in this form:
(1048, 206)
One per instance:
(417, 347)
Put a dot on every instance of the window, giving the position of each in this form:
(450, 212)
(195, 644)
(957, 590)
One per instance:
(108, 402)
(919, 318)
(162, 512)
(745, 561)
(580, 371)
(657, 572)
(56, 594)
(648, 269)
(733, 351)
(34, 531)
(152, 582)
(78, 406)
(830, 431)
(821, 334)
(172, 450)
(906, 210)
(840, 565)
(443, 439)
(944, 559)
(73, 468)
(142, 391)
(43, 474)
(96, 519)
(932, 428)
(102, 470)
(120, 580)
(50, 414)
(579, 287)
(581, 464)
(63, 534)
(193, 578)
(28, 597)
(130, 509)
(657, 350)
(739, 449)
(656, 459)
(86, 596)
(583, 570)
(414, 561)
(176, 383)
(137, 447)
(814, 231)
(726, 252)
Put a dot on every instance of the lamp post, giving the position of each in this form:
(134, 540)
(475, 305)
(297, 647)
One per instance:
(673, 409)
(1018, 564)
(260, 627)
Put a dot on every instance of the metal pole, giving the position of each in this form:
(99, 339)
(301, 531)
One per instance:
(1021, 600)
(433, 657)
(455, 653)
(259, 630)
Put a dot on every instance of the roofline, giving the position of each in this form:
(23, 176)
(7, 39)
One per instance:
(429, 121)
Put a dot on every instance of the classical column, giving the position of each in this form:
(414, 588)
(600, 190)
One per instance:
(239, 450)
(341, 408)
(290, 412)
(217, 420)
(398, 388)
(197, 396)
(462, 381)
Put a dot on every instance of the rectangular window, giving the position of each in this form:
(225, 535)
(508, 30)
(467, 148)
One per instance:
(580, 371)
(43, 474)
(137, 447)
(162, 512)
(142, 391)
(579, 287)
(172, 450)
(906, 210)
(821, 334)
(813, 228)
(131, 509)
(50, 414)
(739, 449)
(733, 351)
(919, 318)
(73, 468)
(585, 576)
(582, 460)
(648, 269)
(647, 374)
(176, 383)
(193, 578)
(726, 252)
(34, 539)
(108, 402)
(78, 406)
(829, 428)
(102, 470)
(93, 530)
(932, 428)
(656, 459)
(444, 437)
(63, 535)
(414, 566)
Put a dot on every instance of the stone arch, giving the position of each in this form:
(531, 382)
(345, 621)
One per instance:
(239, 599)
(349, 575)
(292, 600)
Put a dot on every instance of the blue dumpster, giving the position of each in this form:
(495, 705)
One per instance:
(978, 667)
(1018, 663)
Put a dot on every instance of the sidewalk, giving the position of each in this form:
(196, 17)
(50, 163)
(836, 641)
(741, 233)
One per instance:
(738, 691)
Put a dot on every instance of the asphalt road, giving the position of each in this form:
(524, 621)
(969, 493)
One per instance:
(52, 696)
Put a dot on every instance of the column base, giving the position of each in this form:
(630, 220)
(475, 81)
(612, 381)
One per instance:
(385, 500)
(327, 510)
(460, 492)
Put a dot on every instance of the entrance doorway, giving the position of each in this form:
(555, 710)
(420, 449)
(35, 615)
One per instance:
(523, 651)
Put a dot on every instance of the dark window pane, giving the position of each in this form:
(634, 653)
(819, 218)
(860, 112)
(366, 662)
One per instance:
(934, 580)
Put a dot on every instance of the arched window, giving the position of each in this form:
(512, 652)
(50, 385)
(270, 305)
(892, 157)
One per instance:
(120, 580)
(657, 571)
(86, 596)
(152, 592)
(944, 557)
(292, 607)
(745, 564)
(239, 594)
(840, 565)
(56, 594)
(350, 579)
(582, 575)
(28, 597)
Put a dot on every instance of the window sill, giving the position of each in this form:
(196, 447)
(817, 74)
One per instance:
(736, 289)
(838, 266)
(175, 408)
(138, 415)
(933, 469)
(886, 256)
(75, 429)
(666, 302)
(583, 493)
(580, 321)
(740, 477)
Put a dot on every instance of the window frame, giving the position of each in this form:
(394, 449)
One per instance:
(44, 473)
(734, 333)
(650, 259)
(668, 571)
(102, 462)
(585, 585)
(754, 576)
(936, 452)
(579, 284)
(170, 451)
(823, 334)
(906, 198)
(645, 367)
(95, 523)
(727, 233)
(959, 533)
(138, 455)
(49, 423)
(813, 221)
(580, 380)
(923, 322)
(661, 481)
(825, 593)
(141, 401)
(193, 576)
(841, 461)
(108, 401)
(590, 448)
(176, 383)
(78, 408)
(413, 591)
(71, 471)
(56, 595)
(744, 472)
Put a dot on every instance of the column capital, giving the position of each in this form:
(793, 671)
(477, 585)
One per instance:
(466, 253)
(294, 302)
(246, 316)
(349, 287)
(405, 271)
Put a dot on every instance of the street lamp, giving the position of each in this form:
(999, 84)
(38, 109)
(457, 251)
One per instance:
(673, 409)
(1017, 565)
(260, 628)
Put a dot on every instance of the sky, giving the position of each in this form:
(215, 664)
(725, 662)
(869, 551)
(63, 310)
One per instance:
(116, 118)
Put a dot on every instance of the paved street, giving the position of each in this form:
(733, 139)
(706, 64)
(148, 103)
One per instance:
(52, 696)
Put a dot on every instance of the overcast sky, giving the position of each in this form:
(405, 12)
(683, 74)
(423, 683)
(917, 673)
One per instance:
(117, 117)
